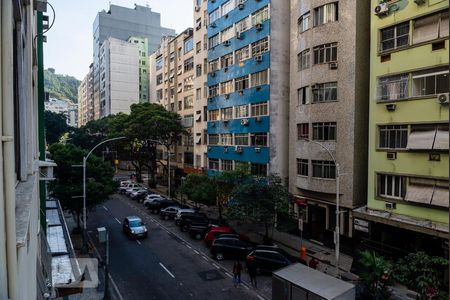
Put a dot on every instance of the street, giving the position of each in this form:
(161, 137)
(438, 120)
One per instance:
(164, 265)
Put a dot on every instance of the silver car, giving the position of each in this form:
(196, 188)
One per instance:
(134, 227)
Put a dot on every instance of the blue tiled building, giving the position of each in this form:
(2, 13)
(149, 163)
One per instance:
(248, 83)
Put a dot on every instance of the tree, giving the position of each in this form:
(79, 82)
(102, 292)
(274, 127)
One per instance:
(55, 126)
(61, 86)
(69, 179)
(259, 200)
(199, 188)
(375, 275)
(422, 273)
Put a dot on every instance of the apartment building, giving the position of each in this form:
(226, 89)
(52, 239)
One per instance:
(200, 85)
(119, 76)
(66, 107)
(328, 112)
(248, 86)
(142, 44)
(408, 195)
(86, 98)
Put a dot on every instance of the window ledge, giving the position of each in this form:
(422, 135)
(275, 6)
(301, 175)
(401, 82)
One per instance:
(383, 53)
(26, 194)
(427, 97)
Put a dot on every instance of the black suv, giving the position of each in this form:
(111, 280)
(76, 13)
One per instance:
(198, 228)
(197, 218)
(267, 259)
(158, 204)
(230, 247)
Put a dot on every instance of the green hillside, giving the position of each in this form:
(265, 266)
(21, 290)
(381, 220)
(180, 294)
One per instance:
(61, 86)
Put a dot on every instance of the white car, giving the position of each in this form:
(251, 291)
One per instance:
(124, 188)
(132, 190)
(125, 183)
(150, 198)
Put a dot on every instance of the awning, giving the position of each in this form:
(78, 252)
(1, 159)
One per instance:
(441, 141)
(440, 197)
(180, 89)
(421, 139)
(419, 193)
(198, 139)
(198, 117)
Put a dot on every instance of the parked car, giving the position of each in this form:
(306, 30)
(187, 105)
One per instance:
(151, 198)
(138, 192)
(122, 189)
(124, 183)
(215, 232)
(229, 247)
(169, 212)
(157, 205)
(129, 191)
(198, 228)
(134, 227)
(267, 259)
(182, 212)
(185, 218)
(140, 195)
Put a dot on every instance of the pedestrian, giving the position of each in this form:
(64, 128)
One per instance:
(237, 269)
(252, 274)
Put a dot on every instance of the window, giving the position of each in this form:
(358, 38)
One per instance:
(430, 82)
(188, 83)
(259, 109)
(189, 102)
(241, 139)
(187, 121)
(243, 25)
(213, 90)
(258, 139)
(303, 22)
(214, 65)
(159, 79)
(325, 53)
(303, 95)
(159, 63)
(227, 34)
(214, 41)
(258, 169)
(260, 16)
(226, 60)
(198, 94)
(189, 64)
(242, 54)
(242, 111)
(303, 131)
(326, 14)
(188, 45)
(159, 95)
(198, 70)
(260, 78)
(302, 167)
(227, 7)
(198, 47)
(260, 47)
(213, 139)
(213, 163)
(303, 59)
(394, 37)
(323, 169)
(226, 139)
(393, 87)
(198, 2)
(226, 113)
(213, 115)
(393, 136)
(391, 186)
(214, 15)
(189, 158)
(227, 165)
(324, 131)
(324, 92)
(226, 87)
(241, 83)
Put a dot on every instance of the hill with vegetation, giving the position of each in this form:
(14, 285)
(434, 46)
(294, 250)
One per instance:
(61, 86)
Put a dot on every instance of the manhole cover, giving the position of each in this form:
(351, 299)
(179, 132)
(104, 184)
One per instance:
(210, 275)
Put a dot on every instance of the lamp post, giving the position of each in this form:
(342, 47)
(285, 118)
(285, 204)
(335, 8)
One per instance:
(85, 158)
(337, 229)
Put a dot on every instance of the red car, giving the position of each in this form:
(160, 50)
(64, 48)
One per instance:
(215, 232)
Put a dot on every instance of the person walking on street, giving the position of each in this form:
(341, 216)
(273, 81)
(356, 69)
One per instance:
(237, 269)
(252, 274)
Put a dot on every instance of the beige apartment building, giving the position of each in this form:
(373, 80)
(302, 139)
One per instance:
(86, 98)
(172, 86)
(328, 111)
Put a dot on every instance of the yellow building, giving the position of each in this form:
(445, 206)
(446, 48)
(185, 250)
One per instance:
(408, 195)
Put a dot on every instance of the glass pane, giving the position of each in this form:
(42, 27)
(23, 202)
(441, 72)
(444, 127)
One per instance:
(442, 83)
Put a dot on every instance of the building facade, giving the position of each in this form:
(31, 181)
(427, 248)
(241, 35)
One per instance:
(142, 44)
(119, 76)
(248, 86)
(328, 112)
(66, 107)
(408, 196)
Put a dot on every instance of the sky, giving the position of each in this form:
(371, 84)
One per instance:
(69, 41)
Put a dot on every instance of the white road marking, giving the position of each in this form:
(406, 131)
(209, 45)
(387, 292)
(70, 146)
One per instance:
(117, 220)
(188, 246)
(196, 252)
(137, 241)
(205, 258)
(229, 275)
(105, 208)
(246, 286)
(260, 297)
(217, 267)
(164, 267)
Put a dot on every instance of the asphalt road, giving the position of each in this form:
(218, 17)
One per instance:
(162, 266)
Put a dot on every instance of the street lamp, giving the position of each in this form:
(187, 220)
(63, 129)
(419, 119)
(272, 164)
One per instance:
(168, 163)
(337, 232)
(85, 158)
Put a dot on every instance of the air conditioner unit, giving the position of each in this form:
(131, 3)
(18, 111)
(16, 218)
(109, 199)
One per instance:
(258, 150)
(391, 155)
(239, 35)
(390, 205)
(381, 9)
(244, 122)
(225, 69)
(213, 25)
(212, 74)
(314, 87)
(238, 149)
(241, 92)
(258, 26)
(225, 149)
(197, 8)
(258, 58)
(333, 65)
(227, 96)
(241, 5)
(419, 2)
(258, 119)
(391, 107)
(46, 170)
(443, 98)
(226, 43)
(213, 124)
(225, 122)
